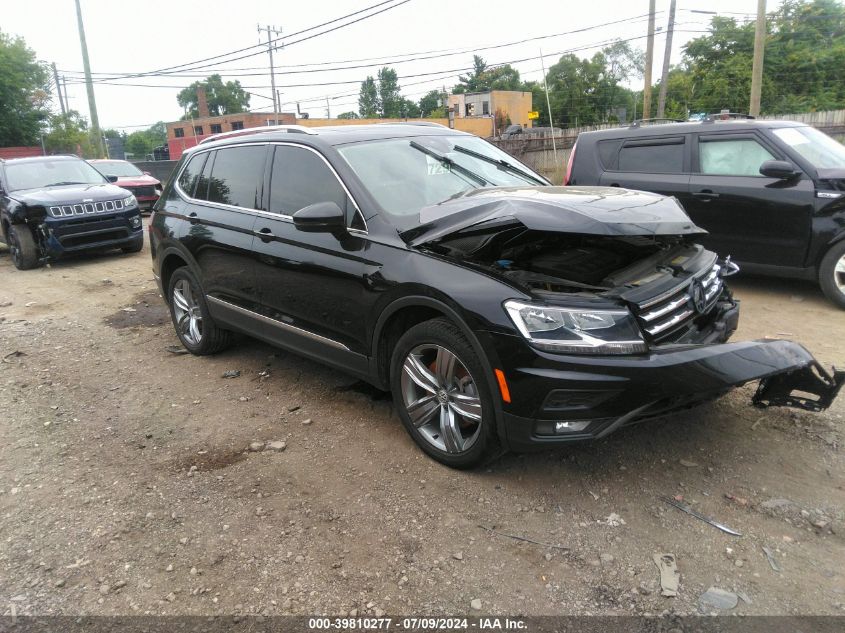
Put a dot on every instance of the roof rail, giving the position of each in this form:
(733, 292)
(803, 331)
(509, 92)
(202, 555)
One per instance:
(724, 116)
(639, 122)
(421, 123)
(291, 129)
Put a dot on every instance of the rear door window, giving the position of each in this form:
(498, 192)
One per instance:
(654, 156)
(236, 176)
(731, 156)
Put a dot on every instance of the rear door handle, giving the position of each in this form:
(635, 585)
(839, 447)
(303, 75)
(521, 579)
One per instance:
(265, 234)
(705, 195)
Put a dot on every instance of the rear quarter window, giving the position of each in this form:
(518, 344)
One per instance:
(663, 156)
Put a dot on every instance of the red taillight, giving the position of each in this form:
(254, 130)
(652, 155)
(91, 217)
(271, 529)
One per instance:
(568, 175)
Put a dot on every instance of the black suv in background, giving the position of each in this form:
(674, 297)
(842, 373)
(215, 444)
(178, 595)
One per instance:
(52, 206)
(771, 194)
(499, 310)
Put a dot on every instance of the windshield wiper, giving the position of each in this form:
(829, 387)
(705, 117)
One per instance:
(59, 184)
(445, 160)
(499, 162)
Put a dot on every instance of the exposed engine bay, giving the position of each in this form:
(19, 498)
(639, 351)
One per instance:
(558, 262)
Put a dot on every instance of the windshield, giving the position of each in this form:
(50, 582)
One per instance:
(816, 147)
(119, 168)
(50, 173)
(405, 175)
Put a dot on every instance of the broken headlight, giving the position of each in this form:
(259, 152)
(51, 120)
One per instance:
(576, 330)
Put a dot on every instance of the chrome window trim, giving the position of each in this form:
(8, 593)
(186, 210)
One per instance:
(280, 324)
(284, 216)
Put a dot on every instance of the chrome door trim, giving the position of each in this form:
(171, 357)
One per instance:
(279, 324)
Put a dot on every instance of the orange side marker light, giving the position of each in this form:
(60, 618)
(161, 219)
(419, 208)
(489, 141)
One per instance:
(503, 385)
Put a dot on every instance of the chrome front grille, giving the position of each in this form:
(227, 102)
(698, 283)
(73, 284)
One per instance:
(86, 208)
(665, 316)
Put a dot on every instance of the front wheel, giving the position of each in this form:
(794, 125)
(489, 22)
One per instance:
(22, 247)
(832, 274)
(189, 311)
(442, 397)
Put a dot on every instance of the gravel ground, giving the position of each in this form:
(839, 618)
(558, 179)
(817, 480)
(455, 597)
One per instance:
(138, 481)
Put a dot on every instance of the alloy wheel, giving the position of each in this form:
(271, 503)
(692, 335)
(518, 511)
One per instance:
(14, 249)
(441, 398)
(839, 274)
(186, 309)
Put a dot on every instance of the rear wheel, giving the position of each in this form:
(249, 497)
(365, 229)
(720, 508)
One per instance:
(191, 318)
(832, 274)
(439, 389)
(22, 247)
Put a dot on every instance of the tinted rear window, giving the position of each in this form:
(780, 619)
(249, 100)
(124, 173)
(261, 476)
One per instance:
(236, 176)
(607, 152)
(654, 157)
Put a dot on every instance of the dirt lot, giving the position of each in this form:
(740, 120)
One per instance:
(127, 486)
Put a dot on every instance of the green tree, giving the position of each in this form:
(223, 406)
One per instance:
(805, 54)
(484, 78)
(430, 102)
(24, 93)
(348, 115)
(141, 142)
(368, 103)
(223, 98)
(69, 134)
(389, 97)
(410, 109)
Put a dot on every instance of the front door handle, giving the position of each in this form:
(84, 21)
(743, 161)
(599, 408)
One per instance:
(265, 234)
(192, 217)
(705, 195)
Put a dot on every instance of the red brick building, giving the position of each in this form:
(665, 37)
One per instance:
(182, 135)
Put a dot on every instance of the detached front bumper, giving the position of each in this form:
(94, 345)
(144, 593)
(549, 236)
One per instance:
(63, 236)
(557, 399)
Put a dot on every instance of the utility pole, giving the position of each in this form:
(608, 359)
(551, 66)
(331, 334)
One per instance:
(649, 59)
(328, 109)
(549, 106)
(89, 85)
(667, 54)
(64, 89)
(272, 30)
(59, 90)
(757, 66)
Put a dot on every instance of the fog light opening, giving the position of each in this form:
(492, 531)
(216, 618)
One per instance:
(571, 426)
(135, 221)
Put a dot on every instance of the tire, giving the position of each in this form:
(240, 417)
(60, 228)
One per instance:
(191, 319)
(439, 389)
(832, 274)
(22, 247)
(135, 248)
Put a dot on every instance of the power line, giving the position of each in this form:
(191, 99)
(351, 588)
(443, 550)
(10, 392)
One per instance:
(184, 67)
(415, 56)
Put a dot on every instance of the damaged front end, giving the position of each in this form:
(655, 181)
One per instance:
(810, 388)
(626, 315)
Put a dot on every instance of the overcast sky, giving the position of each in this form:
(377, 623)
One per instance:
(138, 37)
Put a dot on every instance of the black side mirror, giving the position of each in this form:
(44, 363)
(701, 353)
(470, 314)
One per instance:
(778, 169)
(323, 217)
(111, 178)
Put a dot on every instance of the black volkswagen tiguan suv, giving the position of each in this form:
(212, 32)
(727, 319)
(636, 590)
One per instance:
(52, 206)
(502, 312)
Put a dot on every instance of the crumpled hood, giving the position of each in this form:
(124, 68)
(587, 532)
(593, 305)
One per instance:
(608, 211)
